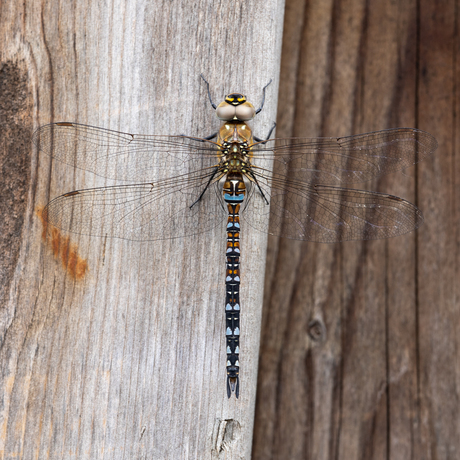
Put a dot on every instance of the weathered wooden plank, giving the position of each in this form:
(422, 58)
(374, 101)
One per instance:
(358, 352)
(120, 352)
(438, 313)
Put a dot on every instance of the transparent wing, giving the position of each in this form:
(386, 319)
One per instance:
(123, 156)
(326, 214)
(136, 157)
(342, 160)
(141, 212)
(301, 205)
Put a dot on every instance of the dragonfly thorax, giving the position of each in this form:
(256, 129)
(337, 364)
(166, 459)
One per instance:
(234, 140)
(235, 165)
(233, 133)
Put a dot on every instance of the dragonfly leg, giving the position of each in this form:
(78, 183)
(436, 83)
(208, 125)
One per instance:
(209, 92)
(254, 179)
(263, 97)
(207, 138)
(257, 139)
(206, 188)
(212, 136)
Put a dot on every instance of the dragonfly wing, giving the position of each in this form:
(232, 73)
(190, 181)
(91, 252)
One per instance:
(140, 212)
(328, 214)
(123, 156)
(342, 160)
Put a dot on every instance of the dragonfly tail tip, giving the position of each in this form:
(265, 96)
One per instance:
(233, 386)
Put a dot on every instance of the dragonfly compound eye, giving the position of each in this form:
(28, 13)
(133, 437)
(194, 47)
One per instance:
(225, 111)
(245, 112)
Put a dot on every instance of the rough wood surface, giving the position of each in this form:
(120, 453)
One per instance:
(112, 349)
(359, 354)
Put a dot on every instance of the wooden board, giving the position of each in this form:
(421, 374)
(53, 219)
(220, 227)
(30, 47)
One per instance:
(113, 349)
(359, 354)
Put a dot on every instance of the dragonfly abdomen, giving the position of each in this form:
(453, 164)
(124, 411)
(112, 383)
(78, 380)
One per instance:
(234, 192)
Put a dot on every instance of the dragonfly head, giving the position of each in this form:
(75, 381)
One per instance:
(235, 107)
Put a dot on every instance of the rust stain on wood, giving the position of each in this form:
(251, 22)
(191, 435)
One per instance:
(62, 248)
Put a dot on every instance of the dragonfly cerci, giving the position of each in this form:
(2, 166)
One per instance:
(228, 177)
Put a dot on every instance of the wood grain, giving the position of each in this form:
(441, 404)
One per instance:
(359, 352)
(127, 360)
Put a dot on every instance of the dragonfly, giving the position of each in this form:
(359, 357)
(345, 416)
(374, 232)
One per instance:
(289, 187)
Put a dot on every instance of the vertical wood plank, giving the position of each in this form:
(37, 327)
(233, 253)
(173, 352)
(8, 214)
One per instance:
(439, 315)
(359, 341)
(121, 352)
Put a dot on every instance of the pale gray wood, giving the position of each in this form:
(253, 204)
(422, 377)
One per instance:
(128, 361)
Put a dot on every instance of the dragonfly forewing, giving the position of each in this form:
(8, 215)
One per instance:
(343, 160)
(123, 156)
